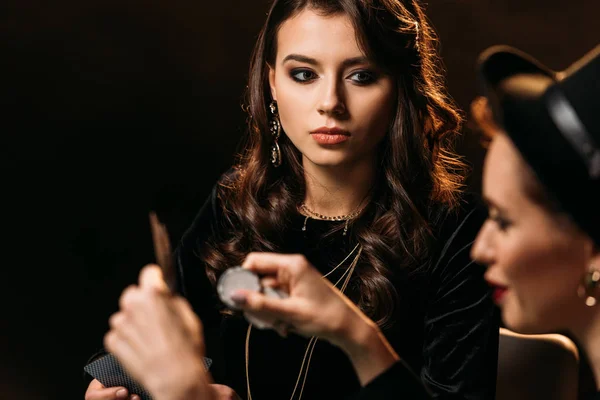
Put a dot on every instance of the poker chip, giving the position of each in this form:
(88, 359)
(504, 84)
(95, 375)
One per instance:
(233, 279)
(237, 278)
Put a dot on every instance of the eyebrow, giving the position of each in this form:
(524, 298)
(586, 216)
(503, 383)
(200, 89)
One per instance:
(309, 60)
(491, 204)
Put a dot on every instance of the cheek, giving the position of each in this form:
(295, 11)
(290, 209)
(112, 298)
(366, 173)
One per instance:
(289, 102)
(373, 110)
(294, 111)
(542, 286)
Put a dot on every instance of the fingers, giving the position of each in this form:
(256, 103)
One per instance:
(128, 297)
(269, 281)
(122, 348)
(265, 312)
(137, 301)
(151, 278)
(282, 328)
(122, 325)
(259, 303)
(224, 392)
(97, 391)
(187, 314)
(272, 263)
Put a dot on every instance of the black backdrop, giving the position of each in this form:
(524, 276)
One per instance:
(112, 108)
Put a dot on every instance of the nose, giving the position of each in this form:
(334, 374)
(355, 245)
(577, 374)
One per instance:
(482, 251)
(331, 101)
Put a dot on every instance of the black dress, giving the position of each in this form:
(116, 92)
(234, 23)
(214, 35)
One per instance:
(446, 329)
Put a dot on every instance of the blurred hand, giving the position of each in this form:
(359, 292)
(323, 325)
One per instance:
(222, 392)
(159, 340)
(97, 391)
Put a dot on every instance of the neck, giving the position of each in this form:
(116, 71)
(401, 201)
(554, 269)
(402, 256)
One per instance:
(338, 190)
(589, 339)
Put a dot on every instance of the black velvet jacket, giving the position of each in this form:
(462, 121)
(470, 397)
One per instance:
(446, 329)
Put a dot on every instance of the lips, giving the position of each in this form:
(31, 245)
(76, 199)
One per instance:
(498, 294)
(325, 135)
(498, 290)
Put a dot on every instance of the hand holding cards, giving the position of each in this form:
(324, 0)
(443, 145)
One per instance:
(110, 373)
(148, 332)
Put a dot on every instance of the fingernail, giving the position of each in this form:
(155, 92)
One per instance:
(122, 393)
(238, 298)
(135, 397)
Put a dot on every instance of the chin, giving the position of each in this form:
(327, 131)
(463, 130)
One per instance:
(521, 322)
(328, 160)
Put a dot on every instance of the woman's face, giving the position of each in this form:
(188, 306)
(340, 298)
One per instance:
(535, 257)
(334, 104)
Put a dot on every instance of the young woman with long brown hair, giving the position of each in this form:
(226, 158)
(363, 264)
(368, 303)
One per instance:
(349, 162)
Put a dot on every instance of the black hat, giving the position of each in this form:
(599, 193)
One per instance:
(553, 118)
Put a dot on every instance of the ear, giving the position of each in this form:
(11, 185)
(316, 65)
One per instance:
(272, 82)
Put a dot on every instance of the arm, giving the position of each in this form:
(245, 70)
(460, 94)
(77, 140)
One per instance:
(193, 284)
(158, 339)
(316, 308)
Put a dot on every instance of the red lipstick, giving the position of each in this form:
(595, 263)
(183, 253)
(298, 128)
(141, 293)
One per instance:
(498, 291)
(498, 294)
(330, 136)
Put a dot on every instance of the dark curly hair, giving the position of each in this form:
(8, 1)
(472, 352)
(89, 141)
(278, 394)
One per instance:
(419, 179)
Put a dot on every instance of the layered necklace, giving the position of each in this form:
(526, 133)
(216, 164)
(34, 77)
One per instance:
(313, 340)
(308, 213)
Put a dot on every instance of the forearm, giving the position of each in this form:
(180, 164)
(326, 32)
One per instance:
(191, 383)
(367, 347)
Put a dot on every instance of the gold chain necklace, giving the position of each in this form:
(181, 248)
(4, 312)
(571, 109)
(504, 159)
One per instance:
(308, 212)
(313, 340)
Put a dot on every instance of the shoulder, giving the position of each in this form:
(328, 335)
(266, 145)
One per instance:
(462, 223)
(211, 212)
(457, 230)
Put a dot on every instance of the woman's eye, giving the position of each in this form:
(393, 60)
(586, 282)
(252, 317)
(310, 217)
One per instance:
(502, 223)
(363, 77)
(303, 75)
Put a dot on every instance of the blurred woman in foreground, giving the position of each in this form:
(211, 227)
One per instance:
(541, 182)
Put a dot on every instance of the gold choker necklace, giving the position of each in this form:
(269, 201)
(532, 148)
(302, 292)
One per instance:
(310, 213)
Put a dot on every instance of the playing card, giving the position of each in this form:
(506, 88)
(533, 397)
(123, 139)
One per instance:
(109, 372)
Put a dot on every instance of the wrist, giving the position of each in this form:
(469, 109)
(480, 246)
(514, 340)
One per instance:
(190, 383)
(354, 332)
(366, 347)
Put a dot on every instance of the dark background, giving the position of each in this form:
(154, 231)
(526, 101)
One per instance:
(109, 109)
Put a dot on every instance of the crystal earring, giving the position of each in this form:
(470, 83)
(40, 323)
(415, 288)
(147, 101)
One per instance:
(588, 287)
(275, 129)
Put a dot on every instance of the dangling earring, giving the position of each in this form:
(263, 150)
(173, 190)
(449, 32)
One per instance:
(275, 128)
(588, 287)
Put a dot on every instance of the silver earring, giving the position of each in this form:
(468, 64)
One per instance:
(275, 129)
(588, 287)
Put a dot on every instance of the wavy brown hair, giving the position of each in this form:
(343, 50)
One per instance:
(419, 177)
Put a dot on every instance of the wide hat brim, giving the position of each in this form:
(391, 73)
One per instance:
(549, 116)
